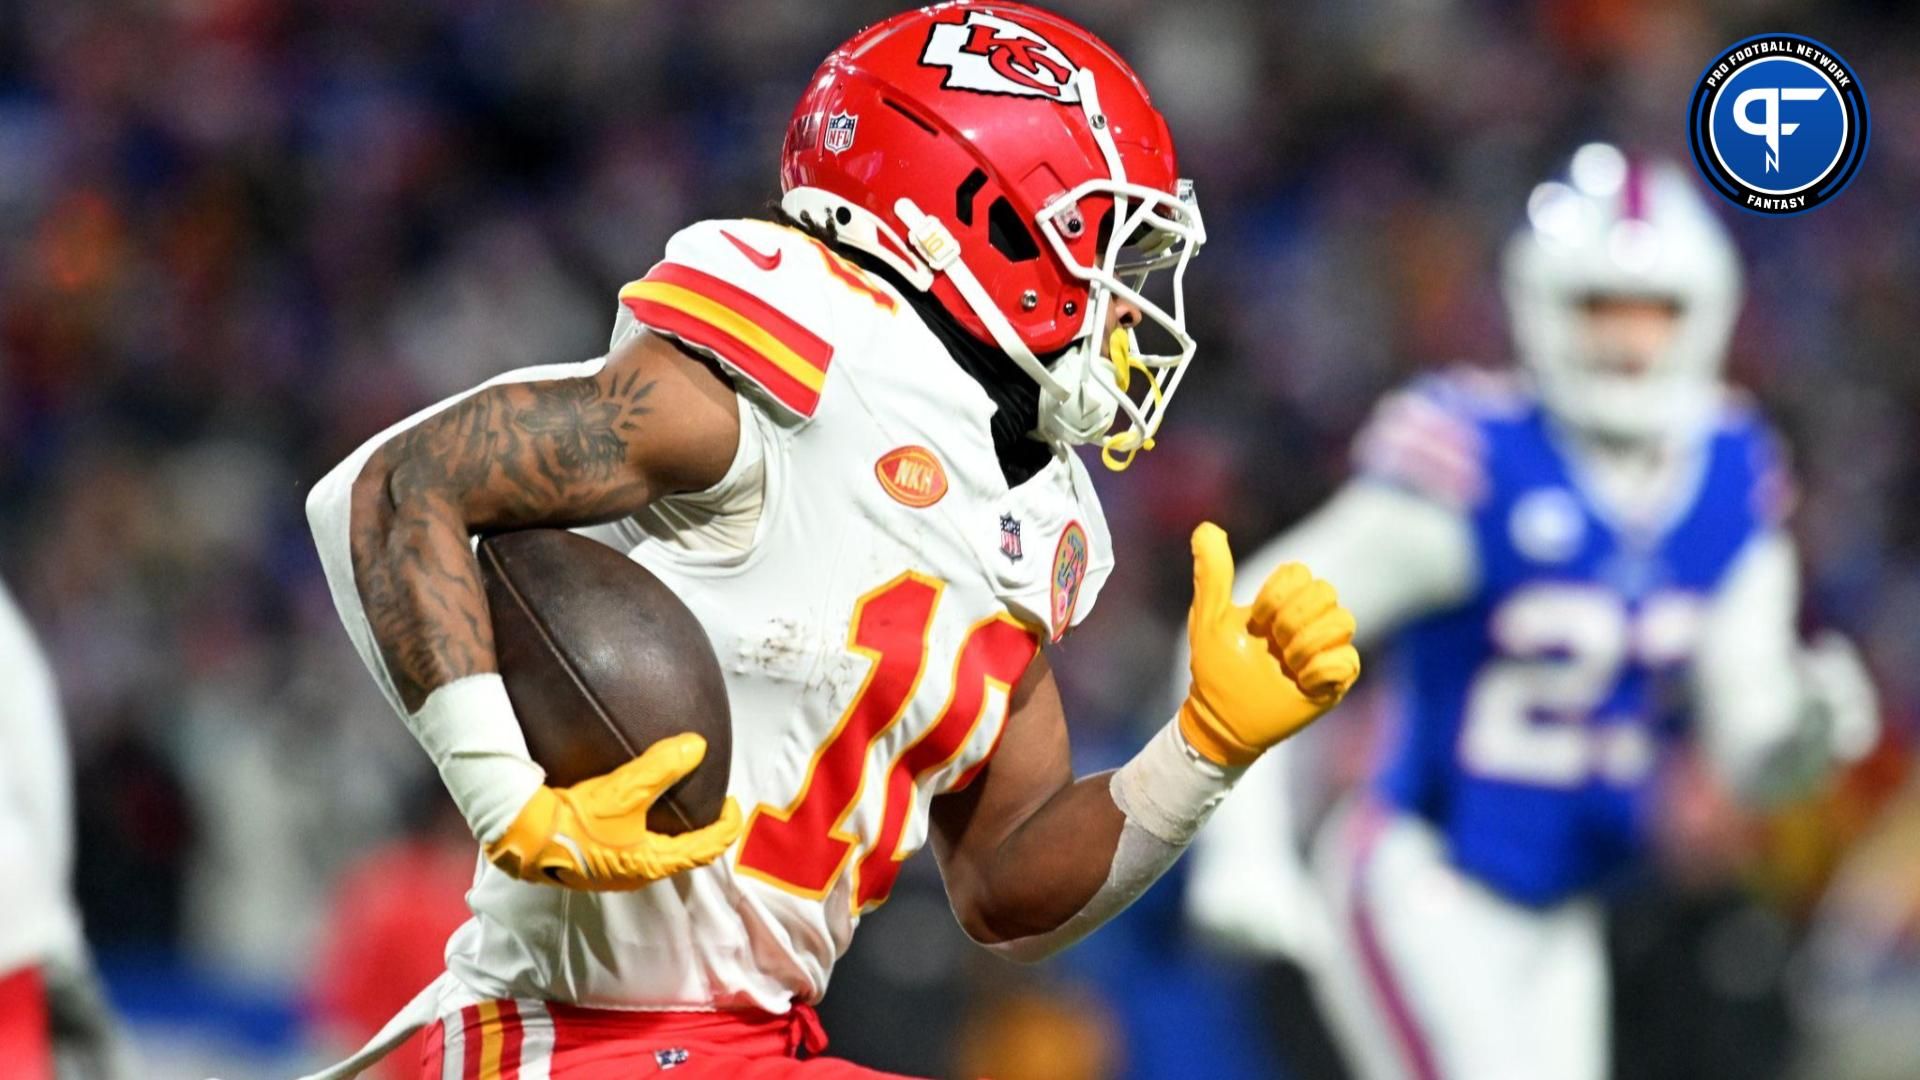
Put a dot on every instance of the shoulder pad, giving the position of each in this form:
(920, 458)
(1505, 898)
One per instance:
(1739, 411)
(1477, 393)
(1427, 437)
(754, 296)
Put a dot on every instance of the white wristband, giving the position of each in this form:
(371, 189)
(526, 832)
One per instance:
(1166, 793)
(1169, 789)
(469, 730)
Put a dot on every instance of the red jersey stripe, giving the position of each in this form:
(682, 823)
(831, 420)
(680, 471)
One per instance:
(470, 1043)
(751, 362)
(510, 1040)
(807, 345)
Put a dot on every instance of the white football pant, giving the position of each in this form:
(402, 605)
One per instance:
(1432, 975)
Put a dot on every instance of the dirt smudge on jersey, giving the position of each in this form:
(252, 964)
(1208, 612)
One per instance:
(783, 650)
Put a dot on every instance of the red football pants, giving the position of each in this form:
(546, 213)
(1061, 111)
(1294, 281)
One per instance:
(531, 1040)
(26, 1046)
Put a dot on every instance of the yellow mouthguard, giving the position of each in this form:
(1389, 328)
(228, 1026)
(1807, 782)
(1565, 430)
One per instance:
(1120, 351)
(1127, 443)
(1117, 451)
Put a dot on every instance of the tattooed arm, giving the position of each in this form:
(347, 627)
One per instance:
(578, 450)
(562, 446)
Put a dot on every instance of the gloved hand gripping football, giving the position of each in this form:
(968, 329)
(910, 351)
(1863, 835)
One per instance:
(594, 834)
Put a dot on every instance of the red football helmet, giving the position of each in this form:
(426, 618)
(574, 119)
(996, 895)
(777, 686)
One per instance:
(1010, 162)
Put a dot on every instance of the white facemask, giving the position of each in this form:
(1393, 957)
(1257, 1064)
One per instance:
(1618, 228)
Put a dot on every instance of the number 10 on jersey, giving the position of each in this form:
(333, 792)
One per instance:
(805, 846)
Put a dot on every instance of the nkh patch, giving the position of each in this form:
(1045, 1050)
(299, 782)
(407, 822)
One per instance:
(912, 476)
(840, 129)
(1069, 572)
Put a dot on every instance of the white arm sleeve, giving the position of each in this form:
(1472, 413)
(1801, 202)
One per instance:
(1761, 724)
(36, 804)
(1393, 556)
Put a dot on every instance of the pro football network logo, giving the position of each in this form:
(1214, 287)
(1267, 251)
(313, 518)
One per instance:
(1778, 124)
(998, 56)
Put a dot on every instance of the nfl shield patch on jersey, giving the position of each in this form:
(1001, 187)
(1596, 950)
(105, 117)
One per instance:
(1010, 538)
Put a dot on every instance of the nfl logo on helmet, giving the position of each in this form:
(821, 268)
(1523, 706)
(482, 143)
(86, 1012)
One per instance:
(840, 132)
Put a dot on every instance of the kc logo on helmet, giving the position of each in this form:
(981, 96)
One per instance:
(997, 56)
(1779, 124)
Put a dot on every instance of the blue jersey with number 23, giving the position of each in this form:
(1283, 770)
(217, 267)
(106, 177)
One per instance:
(1536, 711)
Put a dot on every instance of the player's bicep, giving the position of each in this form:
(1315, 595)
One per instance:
(1026, 846)
(1033, 764)
(652, 421)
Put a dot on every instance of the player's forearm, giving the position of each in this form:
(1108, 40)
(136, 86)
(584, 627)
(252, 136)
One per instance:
(411, 540)
(418, 582)
(466, 726)
(1088, 854)
(1046, 870)
(1775, 714)
(394, 526)
(555, 452)
(1261, 673)
(1779, 748)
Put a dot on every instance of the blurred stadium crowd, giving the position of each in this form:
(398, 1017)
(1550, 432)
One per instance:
(240, 236)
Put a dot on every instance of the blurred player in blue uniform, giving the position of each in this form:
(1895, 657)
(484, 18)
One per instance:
(1582, 561)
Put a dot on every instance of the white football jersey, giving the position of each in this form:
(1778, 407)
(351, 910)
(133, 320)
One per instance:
(892, 591)
(42, 922)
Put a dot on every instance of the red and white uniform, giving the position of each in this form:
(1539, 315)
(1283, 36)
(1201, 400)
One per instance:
(872, 589)
(41, 923)
(869, 632)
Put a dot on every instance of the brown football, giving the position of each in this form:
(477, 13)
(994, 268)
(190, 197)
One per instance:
(602, 660)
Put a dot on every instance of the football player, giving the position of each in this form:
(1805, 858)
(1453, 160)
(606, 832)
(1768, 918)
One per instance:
(54, 1019)
(1570, 557)
(846, 439)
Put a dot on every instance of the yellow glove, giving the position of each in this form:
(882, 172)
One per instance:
(1263, 672)
(594, 834)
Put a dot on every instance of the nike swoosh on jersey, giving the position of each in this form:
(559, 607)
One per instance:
(752, 336)
(764, 262)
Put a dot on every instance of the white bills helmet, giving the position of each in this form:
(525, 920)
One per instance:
(1621, 228)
